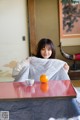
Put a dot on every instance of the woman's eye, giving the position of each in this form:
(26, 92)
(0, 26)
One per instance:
(43, 48)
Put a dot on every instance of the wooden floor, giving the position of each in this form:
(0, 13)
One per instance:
(76, 83)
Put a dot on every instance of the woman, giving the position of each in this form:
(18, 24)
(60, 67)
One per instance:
(46, 50)
(44, 62)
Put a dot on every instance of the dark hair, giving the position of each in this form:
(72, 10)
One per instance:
(41, 44)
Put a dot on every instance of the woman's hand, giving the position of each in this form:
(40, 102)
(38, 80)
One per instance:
(66, 67)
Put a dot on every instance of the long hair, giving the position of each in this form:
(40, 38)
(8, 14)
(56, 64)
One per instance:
(41, 44)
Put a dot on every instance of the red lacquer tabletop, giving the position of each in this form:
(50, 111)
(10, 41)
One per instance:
(15, 90)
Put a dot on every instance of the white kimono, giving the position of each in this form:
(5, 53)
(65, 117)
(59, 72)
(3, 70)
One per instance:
(33, 67)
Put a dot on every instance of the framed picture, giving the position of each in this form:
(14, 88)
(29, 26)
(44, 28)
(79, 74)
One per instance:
(69, 17)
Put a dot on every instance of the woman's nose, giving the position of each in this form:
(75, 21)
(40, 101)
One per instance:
(46, 50)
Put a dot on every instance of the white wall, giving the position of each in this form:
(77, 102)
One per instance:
(13, 25)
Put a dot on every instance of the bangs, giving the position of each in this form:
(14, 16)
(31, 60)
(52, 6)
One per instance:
(46, 45)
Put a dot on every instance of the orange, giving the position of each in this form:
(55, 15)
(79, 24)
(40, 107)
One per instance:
(44, 87)
(43, 78)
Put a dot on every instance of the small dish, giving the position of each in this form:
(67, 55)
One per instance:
(29, 82)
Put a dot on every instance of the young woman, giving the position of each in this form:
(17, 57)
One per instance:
(46, 50)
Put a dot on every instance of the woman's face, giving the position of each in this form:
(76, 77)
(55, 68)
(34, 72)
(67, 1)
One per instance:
(46, 51)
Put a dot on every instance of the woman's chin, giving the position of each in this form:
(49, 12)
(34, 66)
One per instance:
(45, 57)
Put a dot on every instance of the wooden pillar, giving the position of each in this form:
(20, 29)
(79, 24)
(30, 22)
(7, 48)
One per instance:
(32, 35)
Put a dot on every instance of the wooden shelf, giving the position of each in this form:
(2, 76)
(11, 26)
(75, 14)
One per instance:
(74, 74)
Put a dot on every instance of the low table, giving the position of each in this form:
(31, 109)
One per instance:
(34, 103)
(16, 90)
